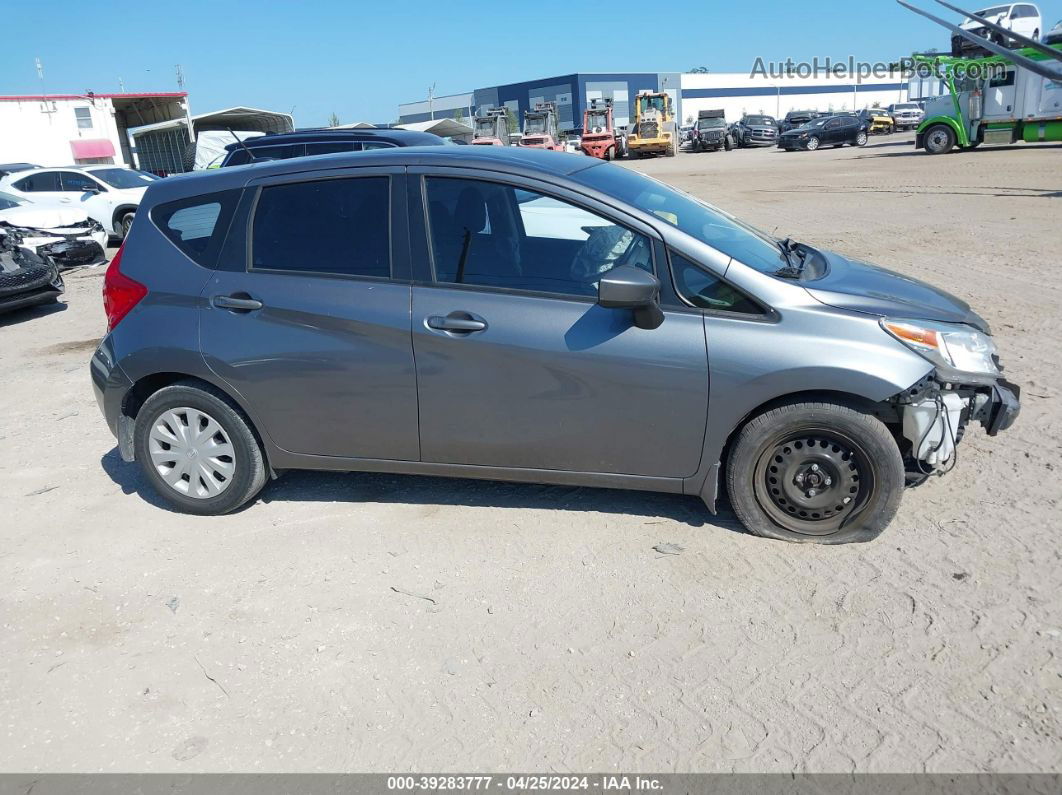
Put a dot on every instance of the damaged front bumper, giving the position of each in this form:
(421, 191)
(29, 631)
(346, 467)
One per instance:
(68, 247)
(935, 413)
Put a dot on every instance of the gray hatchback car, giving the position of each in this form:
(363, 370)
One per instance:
(528, 316)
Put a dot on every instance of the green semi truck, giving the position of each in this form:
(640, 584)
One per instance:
(1013, 93)
(989, 100)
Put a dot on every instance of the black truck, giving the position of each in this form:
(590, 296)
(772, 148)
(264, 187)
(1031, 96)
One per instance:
(710, 133)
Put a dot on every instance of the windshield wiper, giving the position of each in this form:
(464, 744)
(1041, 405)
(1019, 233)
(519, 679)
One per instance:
(789, 249)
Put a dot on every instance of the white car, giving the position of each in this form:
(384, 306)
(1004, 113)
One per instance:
(66, 234)
(109, 194)
(1023, 18)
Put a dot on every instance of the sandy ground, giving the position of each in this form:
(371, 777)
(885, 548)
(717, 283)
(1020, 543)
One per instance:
(362, 622)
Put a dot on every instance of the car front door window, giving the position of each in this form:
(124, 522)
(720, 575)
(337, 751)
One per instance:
(495, 235)
(77, 183)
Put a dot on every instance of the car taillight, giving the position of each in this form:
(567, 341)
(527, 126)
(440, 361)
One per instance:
(120, 293)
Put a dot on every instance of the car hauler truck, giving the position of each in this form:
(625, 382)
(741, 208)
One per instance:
(1009, 96)
(655, 131)
(1003, 104)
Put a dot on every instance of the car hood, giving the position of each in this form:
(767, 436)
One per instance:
(37, 217)
(861, 287)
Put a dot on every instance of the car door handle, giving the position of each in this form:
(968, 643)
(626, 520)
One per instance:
(242, 304)
(460, 322)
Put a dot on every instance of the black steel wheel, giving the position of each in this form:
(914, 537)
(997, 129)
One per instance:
(815, 472)
(813, 480)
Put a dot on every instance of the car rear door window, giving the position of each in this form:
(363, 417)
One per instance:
(333, 226)
(38, 182)
(496, 235)
(197, 226)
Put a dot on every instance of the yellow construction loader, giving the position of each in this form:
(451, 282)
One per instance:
(653, 131)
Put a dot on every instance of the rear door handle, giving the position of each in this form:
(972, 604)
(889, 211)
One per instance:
(246, 304)
(460, 322)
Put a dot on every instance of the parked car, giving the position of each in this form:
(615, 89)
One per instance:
(284, 146)
(826, 131)
(906, 115)
(1054, 36)
(755, 130)
(1022, 18)
(798, 118)
(108, 194)
(360, 313)
(26, 279)
(878, 121)
(11, 168)
(68, 235)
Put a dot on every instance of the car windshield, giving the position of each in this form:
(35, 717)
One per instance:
(906, 106)
(993, 11)
(7, 201)
(817, 122)
(703, 124)
(123, 177)
(697, 218)
(759, 120)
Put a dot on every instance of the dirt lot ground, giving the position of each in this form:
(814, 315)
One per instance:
(361, 622)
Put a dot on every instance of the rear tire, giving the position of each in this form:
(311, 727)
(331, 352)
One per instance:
(186, 404)
(815, 472)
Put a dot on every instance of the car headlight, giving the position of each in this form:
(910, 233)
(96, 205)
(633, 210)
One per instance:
(949, 345)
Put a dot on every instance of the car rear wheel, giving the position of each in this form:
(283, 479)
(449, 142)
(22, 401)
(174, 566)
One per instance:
(813, 143)
(815, 472)
(939, 139)
(198, 450)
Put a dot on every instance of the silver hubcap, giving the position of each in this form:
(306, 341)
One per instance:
(938, 139)
(861, 138)
(813, 143)
(191, 452)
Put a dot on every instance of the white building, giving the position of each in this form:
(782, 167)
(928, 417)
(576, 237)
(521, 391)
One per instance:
(65, 129)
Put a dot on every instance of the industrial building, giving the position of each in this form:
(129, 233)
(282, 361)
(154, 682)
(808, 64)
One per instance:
(736, 93)
(150, 131)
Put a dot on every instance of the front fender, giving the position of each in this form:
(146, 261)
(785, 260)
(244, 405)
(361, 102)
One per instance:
(960, 133)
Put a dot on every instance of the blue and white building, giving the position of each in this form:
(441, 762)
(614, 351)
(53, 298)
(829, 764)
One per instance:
(736, 93)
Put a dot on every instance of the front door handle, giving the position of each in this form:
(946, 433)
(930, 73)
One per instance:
(242, 304)
(458, 322)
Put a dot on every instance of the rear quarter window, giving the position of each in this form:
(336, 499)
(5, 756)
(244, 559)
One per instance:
(197, 226)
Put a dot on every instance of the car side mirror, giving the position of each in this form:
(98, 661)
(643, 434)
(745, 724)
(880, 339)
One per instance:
(628, 287)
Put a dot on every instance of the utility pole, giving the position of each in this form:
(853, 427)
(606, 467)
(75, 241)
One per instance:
(431, 101)
(180, 78)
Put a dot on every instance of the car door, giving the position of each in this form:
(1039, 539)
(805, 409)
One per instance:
(307, 317)
(831, 131)
(88, 194)
(517, 366)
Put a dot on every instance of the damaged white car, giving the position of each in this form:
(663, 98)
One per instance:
(65, 234)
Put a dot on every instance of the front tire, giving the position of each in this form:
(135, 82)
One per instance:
(812, 144)
(939, 139)
(861, 139)
(815, 472)
(197, 450)
(127, 224)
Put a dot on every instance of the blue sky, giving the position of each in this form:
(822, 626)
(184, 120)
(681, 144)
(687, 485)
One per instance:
(359, 59)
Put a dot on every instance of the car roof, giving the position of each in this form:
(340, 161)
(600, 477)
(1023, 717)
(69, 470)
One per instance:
(516, 161)
(407, 137)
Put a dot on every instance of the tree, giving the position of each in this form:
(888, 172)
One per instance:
(459, 115)
(333, 120)
(698, 70)
(514, 123)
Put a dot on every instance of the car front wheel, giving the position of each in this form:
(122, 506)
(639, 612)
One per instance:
(198, 450)
(815, 472)
(939, 139)
(861, 139)
(813, 143)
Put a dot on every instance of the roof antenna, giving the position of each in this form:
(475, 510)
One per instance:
(243, 146)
